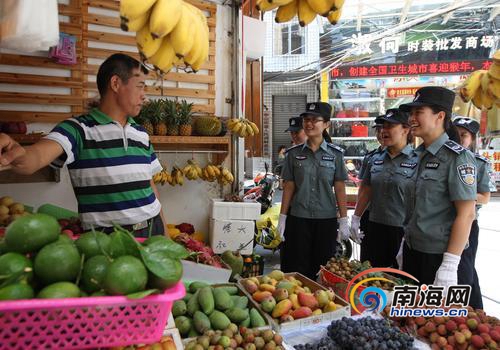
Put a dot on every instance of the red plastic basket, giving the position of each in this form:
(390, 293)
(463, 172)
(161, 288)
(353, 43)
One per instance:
(81, 323)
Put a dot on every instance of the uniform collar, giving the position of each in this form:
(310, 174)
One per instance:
(407, 150)
(436, 145)
(323, 146)
(104, 119)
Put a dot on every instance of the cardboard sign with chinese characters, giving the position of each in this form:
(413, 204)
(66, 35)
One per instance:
(232, 235)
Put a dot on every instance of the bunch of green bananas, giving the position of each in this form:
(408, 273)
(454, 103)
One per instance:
(483, 86)
(169, 32)
(242, 127)
(306, 10)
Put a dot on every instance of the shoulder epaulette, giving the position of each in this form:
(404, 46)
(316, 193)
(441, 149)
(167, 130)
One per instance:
(340, 149)
(484, 159)
(293, 147)
(455, 147)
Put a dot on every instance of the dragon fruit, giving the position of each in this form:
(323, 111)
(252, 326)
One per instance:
(185, 228)
(200, 252)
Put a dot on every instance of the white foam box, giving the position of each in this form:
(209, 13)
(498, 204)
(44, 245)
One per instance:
(193, 271)
(235, 210)
(231, 235)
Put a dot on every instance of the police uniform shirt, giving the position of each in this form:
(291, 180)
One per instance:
(446, 173)
(366, 161)
(485, 182)
(390, 179)
(314, 174)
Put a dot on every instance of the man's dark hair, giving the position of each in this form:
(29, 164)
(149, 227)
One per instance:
(117, 64)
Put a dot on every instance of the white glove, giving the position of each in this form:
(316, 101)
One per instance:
(399, 256)
(446, 275)
(356, 234)
(344, 233)
(281, 227)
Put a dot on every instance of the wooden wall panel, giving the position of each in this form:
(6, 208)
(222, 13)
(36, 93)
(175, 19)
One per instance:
(79, 79)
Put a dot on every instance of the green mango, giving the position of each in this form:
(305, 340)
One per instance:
(219, 321)
(240, 302)
(237, 315)
(179, 308)
(183, 324)
(193, 287)
(222, 299)
(206, 300)
(193, 305)
(256, 319)
(231, 290)
(201, 322)
(245, 323)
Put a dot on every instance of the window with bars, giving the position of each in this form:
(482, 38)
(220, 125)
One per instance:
(289, 39)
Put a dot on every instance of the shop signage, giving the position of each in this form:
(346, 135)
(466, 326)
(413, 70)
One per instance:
(400, 92)
(361, 43)
(408, 69)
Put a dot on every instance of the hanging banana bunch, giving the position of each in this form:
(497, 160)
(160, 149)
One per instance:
(192, 170)
(168, 32)
(210, 173)
(177, 176)
(482, 87)
(242, 127)
(226, 177)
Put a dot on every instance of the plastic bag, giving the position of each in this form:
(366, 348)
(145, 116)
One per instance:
(29, 25)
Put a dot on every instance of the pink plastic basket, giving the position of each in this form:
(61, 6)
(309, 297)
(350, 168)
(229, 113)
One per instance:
(81, 323)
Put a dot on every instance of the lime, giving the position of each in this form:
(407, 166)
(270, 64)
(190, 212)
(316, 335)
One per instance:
(94, 271)
(13, 263)
(125, 275)
(93, 243)
(174, 272)
(30, 233)
(57, 262)
(60, 290)
(17, 291)
(65, 239)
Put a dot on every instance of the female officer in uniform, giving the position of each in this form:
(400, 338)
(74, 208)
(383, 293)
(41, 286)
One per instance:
(442, 201)
(361, 223)
(310, 170)
(467, 274)
(388, 176)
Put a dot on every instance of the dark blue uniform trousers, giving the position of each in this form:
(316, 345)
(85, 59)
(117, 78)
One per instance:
(467, 273)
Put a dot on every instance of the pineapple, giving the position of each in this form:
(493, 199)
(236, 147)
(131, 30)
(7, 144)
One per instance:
(144, 118)
(185, 116)
(160, 128)
(172, 117)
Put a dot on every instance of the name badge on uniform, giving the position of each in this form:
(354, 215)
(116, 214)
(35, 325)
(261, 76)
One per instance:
(432, 165)
(300, 157)
(467, 174)
(330, 158)
(378, 162)
(408, 165)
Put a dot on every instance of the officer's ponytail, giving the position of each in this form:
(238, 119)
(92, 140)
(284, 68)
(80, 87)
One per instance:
(449, 128)
(326, 136)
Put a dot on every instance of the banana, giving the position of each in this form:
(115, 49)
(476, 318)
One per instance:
(216, 171)
(249, 130)
(182, 35)
(334, 16)
(132, 9)
(255, 128)
(321, 7)
(286, 13)
(280, 2)
(305, 12)
(146, 44)
(135, 24)
(210, 171)
(265, 5)
(164, 59)
(198, 35)
(471, 85)
(164, 17)
(231, 123)
(243, 131)
(205, 46)
(236, 129)
(495, 68)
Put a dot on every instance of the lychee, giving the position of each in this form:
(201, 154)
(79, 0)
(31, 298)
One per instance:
(451, 340)
(441, 329)
(495, 335)
(442, 341)
(439, 320)
(472, 323)
(451, 325)
(483, 328)
(430, 327)
(460, 320)
(460, 338)
(434, 337)
(467, 334)
(422, 332)
(486, 337)
(420, 321)
(477, 341)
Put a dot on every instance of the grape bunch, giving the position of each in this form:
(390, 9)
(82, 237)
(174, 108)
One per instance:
(364, 333)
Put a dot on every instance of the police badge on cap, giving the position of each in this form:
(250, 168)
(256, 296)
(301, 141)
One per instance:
(467, 174)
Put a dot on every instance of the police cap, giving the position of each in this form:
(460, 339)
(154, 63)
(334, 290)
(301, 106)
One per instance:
(431, 96)
(467, 123)
(318, 109)
(295, 124)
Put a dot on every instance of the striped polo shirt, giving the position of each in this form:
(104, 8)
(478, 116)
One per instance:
(110, 167)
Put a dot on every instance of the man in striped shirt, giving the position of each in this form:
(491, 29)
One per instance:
(109, 157)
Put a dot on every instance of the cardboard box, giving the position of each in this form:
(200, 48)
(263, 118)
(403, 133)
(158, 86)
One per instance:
(235, 210)
(345, 310)
(200, 272)
(231, 235)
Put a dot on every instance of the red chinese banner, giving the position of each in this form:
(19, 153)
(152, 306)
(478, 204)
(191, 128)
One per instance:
(404, 69)
(400, 92)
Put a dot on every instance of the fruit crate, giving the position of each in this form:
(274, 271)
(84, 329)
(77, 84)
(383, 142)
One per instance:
(345, 310)
(84, 323)
(253, 268)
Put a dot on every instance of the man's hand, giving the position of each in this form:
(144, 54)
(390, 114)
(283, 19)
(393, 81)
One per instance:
(281, 227)
(356, 234)
(344, 233)
(446, 275)
(10, 150)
